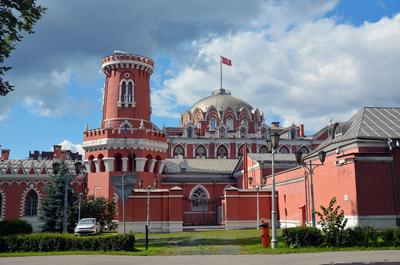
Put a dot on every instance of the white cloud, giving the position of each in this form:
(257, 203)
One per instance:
(318, 69)
(67, 145)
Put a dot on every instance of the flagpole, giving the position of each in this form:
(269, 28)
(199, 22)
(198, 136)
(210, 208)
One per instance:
(220, 67)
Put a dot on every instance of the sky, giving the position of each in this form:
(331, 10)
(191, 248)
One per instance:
(305, 61)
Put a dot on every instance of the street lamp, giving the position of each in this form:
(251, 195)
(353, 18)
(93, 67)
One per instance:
(310, 168)
(274, 144)
(148, 190)
(258, 207)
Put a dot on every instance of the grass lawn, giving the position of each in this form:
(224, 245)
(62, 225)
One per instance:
(218, 242)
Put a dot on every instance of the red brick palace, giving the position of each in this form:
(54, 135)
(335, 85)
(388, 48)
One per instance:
(216, 166)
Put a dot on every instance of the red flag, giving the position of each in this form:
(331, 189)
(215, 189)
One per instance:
(226, 61)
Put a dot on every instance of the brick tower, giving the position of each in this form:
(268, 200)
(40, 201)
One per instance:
(127, 140)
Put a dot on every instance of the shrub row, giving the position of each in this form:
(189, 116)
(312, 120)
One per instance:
(59, 242)
(12, 227)
(363, 236)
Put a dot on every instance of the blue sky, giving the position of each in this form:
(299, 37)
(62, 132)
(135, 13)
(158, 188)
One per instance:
(298, 61)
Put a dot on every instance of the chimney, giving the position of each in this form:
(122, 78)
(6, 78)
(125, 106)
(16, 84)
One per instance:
(5, 153)
(57, 151)
(275, 123)
(301, 130)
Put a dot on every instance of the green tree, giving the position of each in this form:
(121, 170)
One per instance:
(16, 17)
(100, 208)
(332, 222)
(52, 206)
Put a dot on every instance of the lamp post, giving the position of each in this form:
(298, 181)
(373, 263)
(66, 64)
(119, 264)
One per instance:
(310, 168)
(123, 200)
(274, 145)
(148, 191)
(79, 206)
(258, 207)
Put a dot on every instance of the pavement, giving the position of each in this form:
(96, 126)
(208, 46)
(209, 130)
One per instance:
(385, 257)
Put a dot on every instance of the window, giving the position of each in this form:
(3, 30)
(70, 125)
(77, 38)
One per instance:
(245, 122)
(200, 152)
(284, 150)
(304, 150)
(222, 152)
(213, 124)
(240, 153)
(197, 124)
(123, 92)
(189, 132)
(229, 123)
(263, 150)
(264, 133)
(243, 132)
(130, 92)
(31, 203)
(178, 150)
(199, 200)
(293, 134)
(222, 132)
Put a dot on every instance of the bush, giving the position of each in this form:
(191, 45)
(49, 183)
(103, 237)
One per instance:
(58, 242)
(12, 227)
(387, 236)
(363, 236)
(302, 236)
(396, 237)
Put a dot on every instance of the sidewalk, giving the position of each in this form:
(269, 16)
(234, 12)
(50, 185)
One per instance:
(388, 257)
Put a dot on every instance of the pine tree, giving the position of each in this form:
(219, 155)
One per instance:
(52, 206)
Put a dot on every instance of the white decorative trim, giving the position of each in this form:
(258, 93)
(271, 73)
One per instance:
(140, 163)
(118, 143)
(124, 163)
(378, 221)
(3, 204)
(161, 166)
(201, 187)
(152, 164)
(109, 163)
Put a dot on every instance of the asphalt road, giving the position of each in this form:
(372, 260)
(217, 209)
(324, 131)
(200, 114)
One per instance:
(387, 257)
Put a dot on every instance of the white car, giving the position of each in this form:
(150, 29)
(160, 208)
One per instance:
(87, 226)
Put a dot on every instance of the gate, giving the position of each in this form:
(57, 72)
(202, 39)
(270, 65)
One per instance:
(205, 213)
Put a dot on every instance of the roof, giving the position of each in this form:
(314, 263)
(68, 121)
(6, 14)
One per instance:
(27, 165)
(268, 157)
(216, 166)
(371, 123)
(221, 99)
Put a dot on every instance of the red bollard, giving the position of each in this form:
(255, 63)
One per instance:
(264, 233)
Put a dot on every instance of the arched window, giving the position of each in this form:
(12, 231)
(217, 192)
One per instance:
(222, 152)
(284, 150)
(264, 133)
(293, 133)
(31, 203)
(304, 150)
(201, 152)
(118, 162)
(213, 124)
(123, 92)
(241, 148)
(91, 164)
(178, 150)
(199, 200)
(189, 132)
(221, 132)
(263, 150)
(130, 92)
(102, 167)
(245, 122)
(229, 123)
